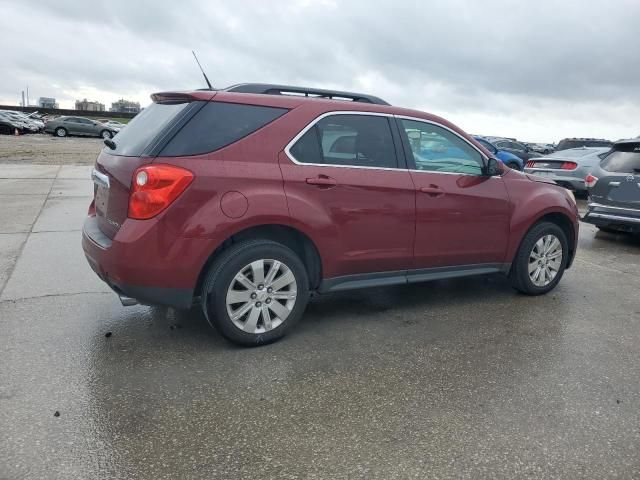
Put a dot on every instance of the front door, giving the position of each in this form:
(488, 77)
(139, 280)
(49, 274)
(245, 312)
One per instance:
(462, 216)
(342, 179)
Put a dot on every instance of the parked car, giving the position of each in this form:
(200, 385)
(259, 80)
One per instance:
(9, 124)
(567, 143)
(517, 148)
(543, 148)
(509, 159)
(568, 167)
(20, 121)
(614, 189)
(287, 195)
(63, 126)
(115, 125)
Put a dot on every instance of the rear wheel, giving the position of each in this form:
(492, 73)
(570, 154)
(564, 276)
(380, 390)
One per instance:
(541, 259)
(61, 132)
(513, 166)
(255, 292)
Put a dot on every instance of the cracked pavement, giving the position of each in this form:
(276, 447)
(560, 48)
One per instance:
(451, 379)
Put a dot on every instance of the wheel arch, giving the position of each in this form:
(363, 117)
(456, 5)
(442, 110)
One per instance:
(564, 222)
(289, 236)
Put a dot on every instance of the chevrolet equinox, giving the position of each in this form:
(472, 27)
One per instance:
(247, 200)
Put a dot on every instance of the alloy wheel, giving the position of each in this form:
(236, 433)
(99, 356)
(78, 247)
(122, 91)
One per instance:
(261, 296)
(545, 260)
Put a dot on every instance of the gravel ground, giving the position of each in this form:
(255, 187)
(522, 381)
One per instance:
(46, 149)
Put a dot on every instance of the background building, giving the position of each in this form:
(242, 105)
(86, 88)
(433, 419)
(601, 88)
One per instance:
(125, 106)
(47, 102)
(89, 106)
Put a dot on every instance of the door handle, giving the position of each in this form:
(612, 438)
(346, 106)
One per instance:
(322, 181)
(432, 190)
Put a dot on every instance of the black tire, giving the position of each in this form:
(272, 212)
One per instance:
(106, 134)
(221, 274)
(6, 130)
(513, 166)
(519, 275)
(61, 132)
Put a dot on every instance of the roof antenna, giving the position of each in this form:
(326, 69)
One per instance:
(204, 74)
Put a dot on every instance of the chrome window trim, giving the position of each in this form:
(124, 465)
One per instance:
(287, 148)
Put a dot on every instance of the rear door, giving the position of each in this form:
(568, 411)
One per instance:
(72, 125)
(462, 216)
(621, 183)
(342, 177)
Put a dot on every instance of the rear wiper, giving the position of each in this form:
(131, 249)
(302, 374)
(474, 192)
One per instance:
(110, 143)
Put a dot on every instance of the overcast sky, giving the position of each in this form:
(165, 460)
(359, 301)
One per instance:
(536, 70)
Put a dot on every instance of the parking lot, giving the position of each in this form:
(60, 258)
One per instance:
(451, 379)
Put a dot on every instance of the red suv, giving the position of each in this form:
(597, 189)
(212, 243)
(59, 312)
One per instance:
(251, 198)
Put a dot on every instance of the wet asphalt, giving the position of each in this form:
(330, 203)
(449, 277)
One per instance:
(451, 379)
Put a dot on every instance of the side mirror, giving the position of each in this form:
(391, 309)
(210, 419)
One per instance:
(492, 168)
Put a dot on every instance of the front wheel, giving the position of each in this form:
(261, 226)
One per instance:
(513, 166)
(541, 259)
(255, 292)
(106, 134)
(61, 132)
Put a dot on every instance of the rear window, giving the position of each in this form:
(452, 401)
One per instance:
(571, 153)
(145, 126)
(217, 125)
(624, 159)
(566, 144)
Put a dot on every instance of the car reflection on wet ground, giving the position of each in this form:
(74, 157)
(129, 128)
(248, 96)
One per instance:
(458, 378)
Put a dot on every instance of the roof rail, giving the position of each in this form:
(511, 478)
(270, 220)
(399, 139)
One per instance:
(269, 89)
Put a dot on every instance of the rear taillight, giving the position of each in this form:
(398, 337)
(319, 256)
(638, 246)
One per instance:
(531, 164)
(154, 187)
(590, 181)
(569, 166)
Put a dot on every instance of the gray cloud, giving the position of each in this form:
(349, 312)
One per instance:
(537, 70)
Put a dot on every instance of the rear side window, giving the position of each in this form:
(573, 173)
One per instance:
(624, 159)
(348, 140)
(145, 126)
(217, 125)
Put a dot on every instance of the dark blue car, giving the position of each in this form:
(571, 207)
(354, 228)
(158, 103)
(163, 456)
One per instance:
(509, 159)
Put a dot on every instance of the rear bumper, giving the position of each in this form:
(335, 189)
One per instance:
(627, 219)
(573, 181)
(121, 265)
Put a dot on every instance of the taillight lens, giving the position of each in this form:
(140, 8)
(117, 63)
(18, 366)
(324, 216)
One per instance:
(590, 181)
(154, 188)
(531, 164)
(569, 166)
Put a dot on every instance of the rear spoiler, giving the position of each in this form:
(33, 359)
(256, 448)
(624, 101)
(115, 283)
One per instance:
(181, 97)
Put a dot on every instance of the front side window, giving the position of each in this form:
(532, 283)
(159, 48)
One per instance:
(348, 140)
(436, 149)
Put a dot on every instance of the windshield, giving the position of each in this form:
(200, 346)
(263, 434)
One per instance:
(131, 141)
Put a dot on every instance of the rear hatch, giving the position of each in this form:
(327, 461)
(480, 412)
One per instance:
(619, 177)
(134, 146)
